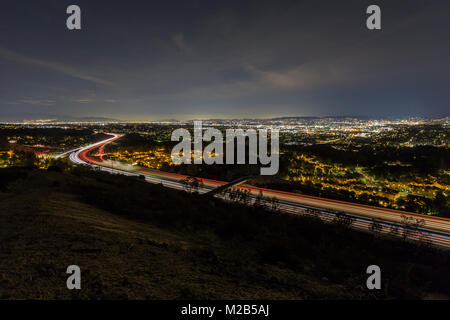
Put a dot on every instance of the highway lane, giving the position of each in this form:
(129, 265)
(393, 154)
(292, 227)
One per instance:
(435, 229)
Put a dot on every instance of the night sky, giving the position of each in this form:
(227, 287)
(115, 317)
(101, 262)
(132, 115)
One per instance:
(149, 60)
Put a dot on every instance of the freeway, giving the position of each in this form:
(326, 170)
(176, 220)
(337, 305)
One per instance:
(436, 230)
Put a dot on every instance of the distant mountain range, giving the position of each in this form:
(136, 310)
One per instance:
(325, 117)
(56, 118)
(296, 118)
(52, 118)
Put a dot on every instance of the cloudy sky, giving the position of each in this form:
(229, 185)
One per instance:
(148, 60)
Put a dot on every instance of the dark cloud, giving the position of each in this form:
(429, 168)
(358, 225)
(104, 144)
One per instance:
(153, 59)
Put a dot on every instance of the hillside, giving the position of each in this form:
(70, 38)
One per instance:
(134, 240)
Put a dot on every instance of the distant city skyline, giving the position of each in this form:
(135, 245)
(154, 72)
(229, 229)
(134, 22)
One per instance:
(148, 61)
